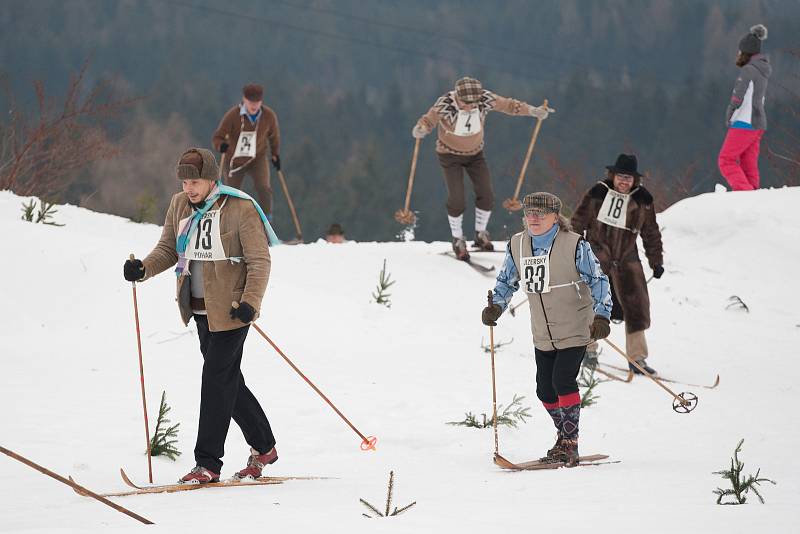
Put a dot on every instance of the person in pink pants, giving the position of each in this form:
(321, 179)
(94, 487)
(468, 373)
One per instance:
(745, 117)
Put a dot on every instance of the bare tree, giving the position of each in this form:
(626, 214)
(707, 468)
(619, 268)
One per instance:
(40, 152)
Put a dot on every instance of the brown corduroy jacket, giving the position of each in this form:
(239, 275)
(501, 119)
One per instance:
(243, 236)
(232, 124)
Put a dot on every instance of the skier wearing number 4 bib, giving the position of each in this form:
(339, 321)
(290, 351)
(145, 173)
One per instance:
(460, 116)
(218, 237)
(612, 214)
(570, 305)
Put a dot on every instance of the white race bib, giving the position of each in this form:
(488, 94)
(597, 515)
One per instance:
(205, 243)
(468, 123)
(614, 210)
(536, 273)
(246, 145)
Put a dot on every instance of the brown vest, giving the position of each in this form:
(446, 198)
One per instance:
(561, 318)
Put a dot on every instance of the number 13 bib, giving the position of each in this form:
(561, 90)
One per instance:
(468, 123)
(205, 243)
(536, 273)
(614, 210)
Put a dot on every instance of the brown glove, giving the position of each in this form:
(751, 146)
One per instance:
(490, 314)
(600, 328)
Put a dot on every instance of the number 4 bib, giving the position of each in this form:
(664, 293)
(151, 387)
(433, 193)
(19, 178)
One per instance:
(536, 273)
(468, 123)
(614, 210)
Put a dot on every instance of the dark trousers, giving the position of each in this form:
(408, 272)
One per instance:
(557, 373)
(478, 171)
(223, 395)
(258, 169)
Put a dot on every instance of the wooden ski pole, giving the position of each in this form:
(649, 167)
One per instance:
(298, 232)
(141, 379)
(77, 487)
(497, 457)
(680, 399)
(405, 215)
(513, 204)
(367, 443)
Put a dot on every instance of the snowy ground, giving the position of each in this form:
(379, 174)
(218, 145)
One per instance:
(70, 391)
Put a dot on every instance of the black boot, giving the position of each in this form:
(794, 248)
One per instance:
(460, 248)
(483, 241)
(643, 364)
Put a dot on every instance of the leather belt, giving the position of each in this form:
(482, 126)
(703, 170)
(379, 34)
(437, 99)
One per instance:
(197, 304)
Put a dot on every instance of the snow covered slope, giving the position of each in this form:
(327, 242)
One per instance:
(70, 394)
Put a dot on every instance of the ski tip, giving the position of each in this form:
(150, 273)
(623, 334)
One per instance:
(716, 383)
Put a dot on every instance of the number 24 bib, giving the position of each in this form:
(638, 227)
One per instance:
(205, 243)
(536, 273)
(614, 210)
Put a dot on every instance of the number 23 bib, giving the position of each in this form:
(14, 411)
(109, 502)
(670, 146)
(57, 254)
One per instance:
(614, 210)
(536, 273)
(205, 243)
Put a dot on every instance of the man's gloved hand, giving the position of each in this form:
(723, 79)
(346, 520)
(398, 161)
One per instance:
(490, 314)
(658, 270)
(600, 328)
(540, 112)
(276, 162)
(418, 132)
(223, 147)
(244, 313)
(133, 270)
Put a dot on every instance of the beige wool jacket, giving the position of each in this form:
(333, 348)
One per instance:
(243, 236)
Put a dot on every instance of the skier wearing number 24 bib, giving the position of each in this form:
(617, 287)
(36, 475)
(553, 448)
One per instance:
(218, 236)
(613, 214)
(570, 305)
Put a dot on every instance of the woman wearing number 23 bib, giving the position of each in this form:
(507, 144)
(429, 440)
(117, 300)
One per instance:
(613, 214)
(218, 237)
(570, 305)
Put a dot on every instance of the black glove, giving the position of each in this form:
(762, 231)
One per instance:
(133, 270)
(658, 270)
(600, 328)
(490, 314)
(244, 313)
(276, 162)
(223, 148)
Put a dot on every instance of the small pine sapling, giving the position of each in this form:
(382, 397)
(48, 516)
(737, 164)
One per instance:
(740, 486)
(45, 213)
(511, 415)
(381, 294)
(388, 512)
(165, 437)
(588, 382)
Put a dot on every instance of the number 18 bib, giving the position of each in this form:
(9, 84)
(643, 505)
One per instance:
(614, 210)
(205, 243)
(536, 273)
(468, 123)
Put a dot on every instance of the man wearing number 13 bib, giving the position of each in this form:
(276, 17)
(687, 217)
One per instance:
(612, 214)
(570, 304)
(218, 237)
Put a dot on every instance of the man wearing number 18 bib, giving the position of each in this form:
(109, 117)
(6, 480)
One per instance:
(218, 237)
(613, 214)
(570, 305)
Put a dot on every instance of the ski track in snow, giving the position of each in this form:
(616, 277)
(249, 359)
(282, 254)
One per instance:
(71, 401)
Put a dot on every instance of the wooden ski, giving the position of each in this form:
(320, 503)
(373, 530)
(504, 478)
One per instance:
(536, 465)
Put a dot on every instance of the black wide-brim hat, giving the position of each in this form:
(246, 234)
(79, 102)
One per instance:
(626, 164)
